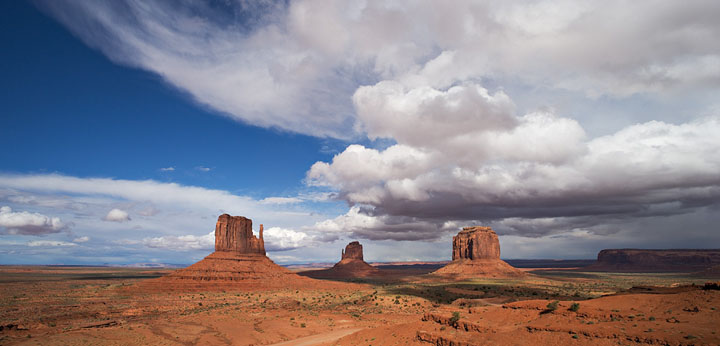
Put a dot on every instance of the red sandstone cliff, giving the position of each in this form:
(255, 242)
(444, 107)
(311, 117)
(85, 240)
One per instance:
(234, 233)
(476, 243)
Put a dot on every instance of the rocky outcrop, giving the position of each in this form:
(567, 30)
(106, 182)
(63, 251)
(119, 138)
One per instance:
(239, 261)
(353, 251)
(656, 260)
(351, 265)
(476, 243)
(476, 253)
(234, 233)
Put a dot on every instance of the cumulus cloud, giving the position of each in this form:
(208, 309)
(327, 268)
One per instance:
(167, 169)
(117, 215)
(361, 222)
(296, 65)
(203, 169)
(648, 169)
(27, 223)
(283, 239)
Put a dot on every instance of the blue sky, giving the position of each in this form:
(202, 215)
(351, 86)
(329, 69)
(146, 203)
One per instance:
(68, 109)
(127, 127)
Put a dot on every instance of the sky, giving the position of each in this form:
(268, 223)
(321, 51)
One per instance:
(127, 127)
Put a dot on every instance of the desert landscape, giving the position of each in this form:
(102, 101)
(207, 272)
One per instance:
(238, 296)
(342, 173)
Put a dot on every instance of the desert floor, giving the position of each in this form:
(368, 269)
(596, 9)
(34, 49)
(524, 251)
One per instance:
(111, 306)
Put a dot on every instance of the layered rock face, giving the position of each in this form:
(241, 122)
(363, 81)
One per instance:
(353, 251)
(476, 243)
(234, 233)
(646, 260)
(239, 261)
(476, 252)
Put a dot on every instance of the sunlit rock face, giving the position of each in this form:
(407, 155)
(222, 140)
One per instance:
(476, 243)
(234, 233)
(476, 253)
(239, 261)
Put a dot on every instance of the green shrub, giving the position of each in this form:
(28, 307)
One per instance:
(574, 307)
(455, 317)
(552, 306)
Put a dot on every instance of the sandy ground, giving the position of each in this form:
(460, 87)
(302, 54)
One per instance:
(109, 306)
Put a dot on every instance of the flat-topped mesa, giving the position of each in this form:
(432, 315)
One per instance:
(353, 251)
(234, 234)
(473, 243)
(656, 260)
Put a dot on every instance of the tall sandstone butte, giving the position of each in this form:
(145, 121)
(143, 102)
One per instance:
(239, 261)
(351, 265)
(352, 251)
(476, 243)
(234, 233)
(476, 252)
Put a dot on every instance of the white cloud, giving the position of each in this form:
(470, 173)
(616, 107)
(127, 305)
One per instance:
(283, 239)
(167, 169)
(540, 168)
(296, 66)
(185, 210)
(183, 242)
(49, 243)
(203, 169)
(435, 80)
(117, 215)
(83, 239)
(28, 223)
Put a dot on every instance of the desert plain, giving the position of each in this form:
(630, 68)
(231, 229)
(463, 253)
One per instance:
(540, 302)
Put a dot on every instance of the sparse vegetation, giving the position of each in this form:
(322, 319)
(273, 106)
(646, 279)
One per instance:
(574, 307)
(455, 317)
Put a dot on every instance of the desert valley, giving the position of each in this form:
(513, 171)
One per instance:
(238, 296)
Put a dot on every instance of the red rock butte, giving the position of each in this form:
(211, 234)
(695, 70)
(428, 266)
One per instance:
(476, 252)
(351, 265)
(239, 261)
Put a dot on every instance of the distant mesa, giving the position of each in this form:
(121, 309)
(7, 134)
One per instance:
(656, 260)
(476, 253)
(239, 260)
